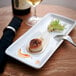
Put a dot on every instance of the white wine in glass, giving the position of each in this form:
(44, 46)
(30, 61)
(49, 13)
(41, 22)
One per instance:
(34, 19)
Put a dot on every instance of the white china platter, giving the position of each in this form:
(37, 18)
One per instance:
(18, 50)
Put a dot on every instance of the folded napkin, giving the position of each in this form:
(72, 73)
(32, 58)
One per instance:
(7, 39)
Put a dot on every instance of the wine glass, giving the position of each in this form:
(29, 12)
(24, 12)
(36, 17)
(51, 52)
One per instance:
(33, 19)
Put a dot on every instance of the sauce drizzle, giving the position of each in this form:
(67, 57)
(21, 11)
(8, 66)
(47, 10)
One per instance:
(20, 54)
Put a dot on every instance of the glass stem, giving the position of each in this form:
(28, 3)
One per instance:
(35, 11)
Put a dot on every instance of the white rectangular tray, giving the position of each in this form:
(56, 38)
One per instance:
(39, 59)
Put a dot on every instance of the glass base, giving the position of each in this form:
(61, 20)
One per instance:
(32, 20)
